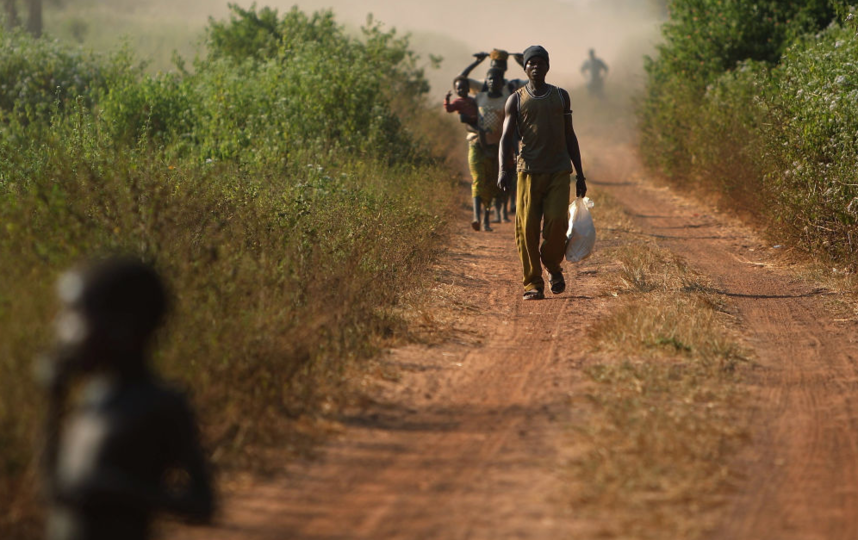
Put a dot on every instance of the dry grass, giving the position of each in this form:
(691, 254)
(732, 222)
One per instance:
(663, 415)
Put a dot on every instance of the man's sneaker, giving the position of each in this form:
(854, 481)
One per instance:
(475, 225)
(558, 284)
(533, 294)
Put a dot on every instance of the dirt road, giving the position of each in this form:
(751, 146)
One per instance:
(801, 465)
(466, 441)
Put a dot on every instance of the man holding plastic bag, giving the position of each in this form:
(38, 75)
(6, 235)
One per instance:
(541, 114)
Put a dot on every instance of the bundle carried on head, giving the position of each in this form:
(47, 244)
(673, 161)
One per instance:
(498, 54)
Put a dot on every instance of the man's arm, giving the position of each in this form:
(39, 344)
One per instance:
(195, 500)
(572, 146)
(480, 57)
(506, 155)
(449, 107)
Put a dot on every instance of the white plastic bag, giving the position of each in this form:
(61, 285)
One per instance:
(581, 236)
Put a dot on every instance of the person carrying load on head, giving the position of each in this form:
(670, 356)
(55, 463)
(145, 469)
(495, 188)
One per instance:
(541, 115)
(483, 152)
(498, 61)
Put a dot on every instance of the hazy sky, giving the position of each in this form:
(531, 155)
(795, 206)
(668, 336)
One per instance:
(565, 27)
(621, 31)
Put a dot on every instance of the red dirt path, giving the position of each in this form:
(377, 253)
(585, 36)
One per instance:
(468, 443)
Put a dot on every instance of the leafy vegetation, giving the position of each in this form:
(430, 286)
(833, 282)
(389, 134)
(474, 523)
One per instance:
(277, 185)
(756, 100)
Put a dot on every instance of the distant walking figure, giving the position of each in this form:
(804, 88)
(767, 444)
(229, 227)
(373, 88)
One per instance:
(592, 69)
(541, 114)
(110, 454)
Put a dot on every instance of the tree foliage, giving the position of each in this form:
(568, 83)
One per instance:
(757, 100)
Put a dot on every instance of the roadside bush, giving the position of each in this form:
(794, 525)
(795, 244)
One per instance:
(263, 34)
(37, 74)
(732, 113)
(811, 150)
(702, 40)
(705, 38)
(275, 90)
(765, 116)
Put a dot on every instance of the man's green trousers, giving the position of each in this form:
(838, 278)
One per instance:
(542, 206)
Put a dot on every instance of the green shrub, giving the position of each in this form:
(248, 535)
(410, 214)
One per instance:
(299, 95)
(702, 40)
(764, 114)
(37, 74)
(705, 38)
(812, 148)
(264, 35)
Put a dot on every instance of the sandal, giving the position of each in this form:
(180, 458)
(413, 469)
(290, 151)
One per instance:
(533, 294)
(558, 284)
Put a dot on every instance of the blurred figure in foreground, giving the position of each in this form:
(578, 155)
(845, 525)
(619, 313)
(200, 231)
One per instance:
(127, 446)
(592, 69)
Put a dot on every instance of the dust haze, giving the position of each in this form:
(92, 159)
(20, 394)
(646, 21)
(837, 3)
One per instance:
(621, 31)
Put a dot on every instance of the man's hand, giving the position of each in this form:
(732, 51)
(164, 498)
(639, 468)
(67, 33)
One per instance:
(580, 185)
(505, 179)
(447, 97)
(481, 56)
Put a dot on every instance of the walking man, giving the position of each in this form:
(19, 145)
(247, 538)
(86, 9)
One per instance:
(542, 116)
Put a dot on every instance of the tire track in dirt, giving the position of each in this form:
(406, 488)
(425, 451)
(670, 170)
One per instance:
(800, 468)
(467, 444)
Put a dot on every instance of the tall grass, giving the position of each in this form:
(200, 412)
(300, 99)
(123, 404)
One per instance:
(284, 198)
(663, 415)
